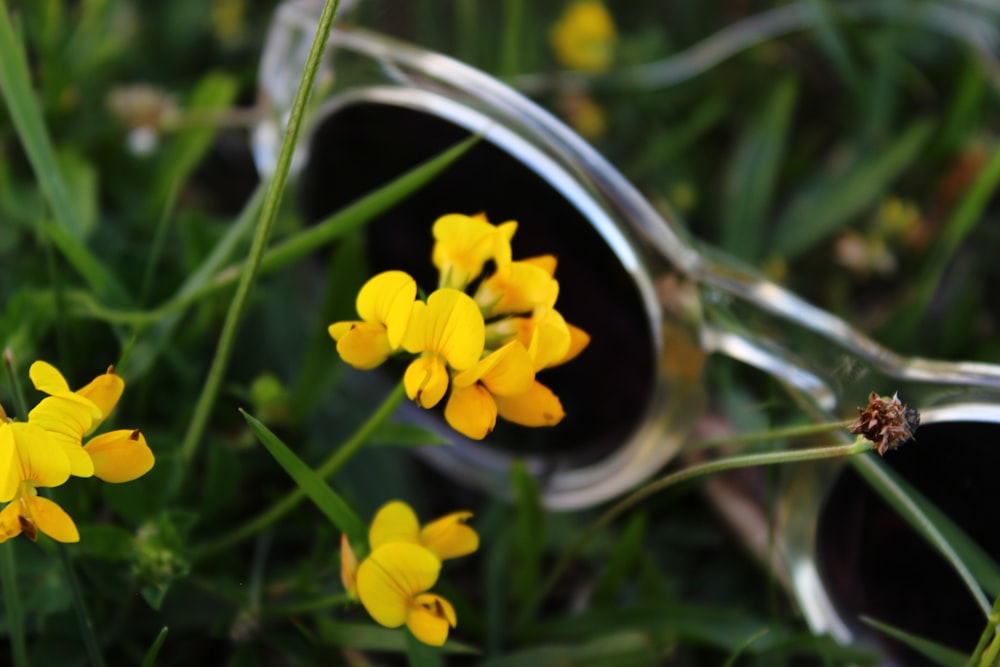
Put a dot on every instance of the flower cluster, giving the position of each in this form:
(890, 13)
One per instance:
(45, 450)
(394, 580)
(487, 347)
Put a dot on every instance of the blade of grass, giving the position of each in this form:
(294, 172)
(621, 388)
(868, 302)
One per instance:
(269, 213)
(311, 483)
(752, 174)
(904, 500)
(832, 42)
(735, 655)
(513, 36)
(988, 639)
(332, 464)
(966, 216)
(150, 659)
(12, 606)
(942, 655)
(419, 654)
(529, 534)
(28, 120)
(835, 198)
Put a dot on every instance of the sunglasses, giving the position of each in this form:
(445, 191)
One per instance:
(656, 305)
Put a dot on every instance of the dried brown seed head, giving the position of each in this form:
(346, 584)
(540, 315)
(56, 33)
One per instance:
(887, 422)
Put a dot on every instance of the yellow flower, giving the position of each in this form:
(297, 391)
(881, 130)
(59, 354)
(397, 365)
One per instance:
(392, 585)
(472, 408)
(583, 38)
(30, 458)
(384, 305)
(104, 391)
(447, 537)
(446, 331)
(394, 581)
(517, 287)
(464, 243)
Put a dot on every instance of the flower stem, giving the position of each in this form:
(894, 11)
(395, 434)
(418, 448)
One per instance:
(269, 212)
(332, 464)
(989, 638)
(12, 605)
(90, 642)
(672, 479)
(16, 390)
(765, 436)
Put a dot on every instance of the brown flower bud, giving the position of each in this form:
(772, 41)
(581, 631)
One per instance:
(887, 422)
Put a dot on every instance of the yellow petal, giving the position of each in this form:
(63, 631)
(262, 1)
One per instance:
(449, 536)
(454, 328)
(550, 338)
(584, 37)
(104, 391)
(579, 340)
(462, 244)
(505, 372)
(536, 407)
(120, 456)
(426, 381)
(361, 344)
(52, 520)
(66, 418)
(472, 411)
(10, 464)
(391, 576)
(430, 618)
(501, 243)
(348, 567)
(518, 287)
(47, 378)
(394, 522)
(10, 521)
(43, 459)
(388, 299)
(546, 263)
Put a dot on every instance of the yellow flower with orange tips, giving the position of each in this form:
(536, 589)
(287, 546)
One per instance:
(393, 582)
(484, 349)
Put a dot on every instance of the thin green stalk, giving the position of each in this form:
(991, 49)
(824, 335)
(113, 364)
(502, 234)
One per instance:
(787, 433)
(331, 465)
(309, 606)
(159, 243)
(988, 636)
(672, 479)
(16, 390)
(269, 213)
(60, 308)
(87, 633)
(12, 605)
(513, 33)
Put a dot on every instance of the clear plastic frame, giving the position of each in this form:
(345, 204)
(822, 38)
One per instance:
(689, 301)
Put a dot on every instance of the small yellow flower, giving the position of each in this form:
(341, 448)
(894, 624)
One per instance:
(120, 456)
(584, 37)
(104, 391)
(538, 406)
(446, 537)
(394, 581)
(384, 305)
(447, 331)
(516, 287)
(472, 408)
(464, 243)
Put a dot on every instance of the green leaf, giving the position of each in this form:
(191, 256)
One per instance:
(328, 502)
(741, 649)
(942, 655)
(28, 119)
(836, 197)
(752, 173)
(150, 659)
(624, 649)
(406, 435)
(81, 186)
(371, 637)
(625, 552)
(420, 654)
(529, 535)
(950, 542)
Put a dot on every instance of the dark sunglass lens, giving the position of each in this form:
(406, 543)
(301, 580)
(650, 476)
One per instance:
(604, 391)
(875, 565)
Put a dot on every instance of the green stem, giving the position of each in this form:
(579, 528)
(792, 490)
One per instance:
(789, 432)
(159, 243)
(985, 639)
(512, 37)
(331, 465)
(309, 606)
(12, 605)
(16, 390)
(87, 633)
(269, 212)
(672, 479)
